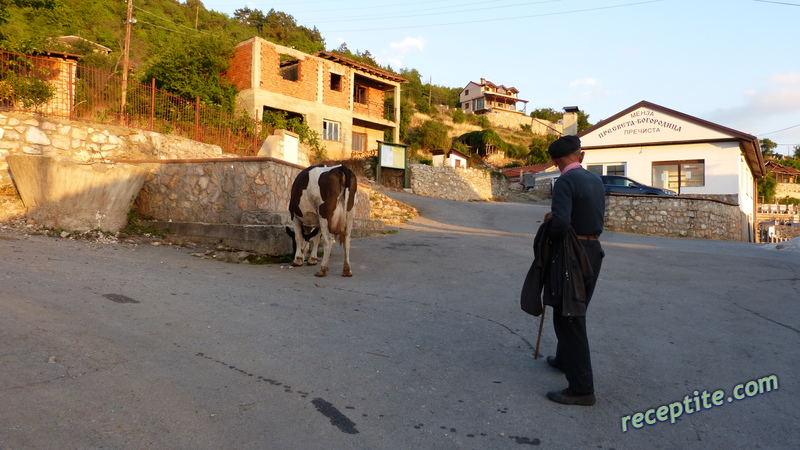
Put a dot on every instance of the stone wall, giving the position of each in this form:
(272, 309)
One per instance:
(89, 142)
(675, 217)
(221, 191)
(783, 190)
(458, 183)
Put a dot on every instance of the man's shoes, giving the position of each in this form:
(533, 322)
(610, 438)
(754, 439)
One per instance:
(553, 362)
(567, 397)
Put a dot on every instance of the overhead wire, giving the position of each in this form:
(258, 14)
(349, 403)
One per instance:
(427, 13)
(497, 19)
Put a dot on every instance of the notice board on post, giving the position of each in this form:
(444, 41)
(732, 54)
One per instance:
(392, 156)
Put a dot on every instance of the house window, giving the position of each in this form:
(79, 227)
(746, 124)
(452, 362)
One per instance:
(615, 169)
(466, 91)
(360, 95)
(336, 82)
(607, 169)
(330, 130)
(677, 174)
(289, 68)
(359, 142)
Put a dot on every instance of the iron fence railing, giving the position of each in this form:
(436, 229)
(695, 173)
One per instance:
(54, 84)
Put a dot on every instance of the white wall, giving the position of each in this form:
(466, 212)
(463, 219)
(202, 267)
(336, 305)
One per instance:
(724, 165)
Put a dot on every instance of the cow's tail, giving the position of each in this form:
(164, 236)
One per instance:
(344, 207)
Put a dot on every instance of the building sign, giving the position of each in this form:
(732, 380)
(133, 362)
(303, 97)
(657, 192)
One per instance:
(642, 121)
(393, 156)
(645, 125)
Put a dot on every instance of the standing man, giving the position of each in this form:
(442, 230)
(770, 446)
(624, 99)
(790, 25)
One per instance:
(573, 266)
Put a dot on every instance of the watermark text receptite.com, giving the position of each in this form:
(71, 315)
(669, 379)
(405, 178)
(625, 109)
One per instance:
(694, 403)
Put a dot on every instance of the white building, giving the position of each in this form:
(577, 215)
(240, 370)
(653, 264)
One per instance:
(486, 97)
(453, 158)
(665, 148)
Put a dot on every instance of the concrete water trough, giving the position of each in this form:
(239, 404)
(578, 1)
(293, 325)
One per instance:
(75, 195)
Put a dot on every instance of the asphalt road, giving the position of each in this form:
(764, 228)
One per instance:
(114, 346)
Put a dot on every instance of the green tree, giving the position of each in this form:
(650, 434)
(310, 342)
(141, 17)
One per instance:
(766, 189)
(193, 68)
(537, 153)
(554, 116)
(583, 121)
(34, 4)
(458, 115)
(767, 147)
(479, 143)
(548, 114)
(430, 135)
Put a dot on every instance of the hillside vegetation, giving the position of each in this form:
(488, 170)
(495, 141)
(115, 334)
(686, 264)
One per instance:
(187, 47)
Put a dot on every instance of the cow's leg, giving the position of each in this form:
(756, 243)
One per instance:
(326, 247)
(299, 243)
(346, 272)
(312, 257)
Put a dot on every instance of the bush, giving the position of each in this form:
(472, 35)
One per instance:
(766, 189)
(459, 116)
(431, 135)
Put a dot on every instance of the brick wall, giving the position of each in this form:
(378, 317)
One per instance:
(305, 88)
(340, 98)
(240, 72)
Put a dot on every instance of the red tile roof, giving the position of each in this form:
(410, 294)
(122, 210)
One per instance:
(514, 172)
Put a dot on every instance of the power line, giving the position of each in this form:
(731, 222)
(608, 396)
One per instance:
(168, 20)
(778, 3)
(426, 12)
(499, 19)
(778, 131)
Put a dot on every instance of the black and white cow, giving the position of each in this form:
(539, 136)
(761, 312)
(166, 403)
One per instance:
(323, 198)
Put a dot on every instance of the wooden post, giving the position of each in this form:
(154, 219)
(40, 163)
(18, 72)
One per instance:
(152, 103)
(125, 62)
(197, 118)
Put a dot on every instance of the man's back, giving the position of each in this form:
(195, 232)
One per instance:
(579, 200)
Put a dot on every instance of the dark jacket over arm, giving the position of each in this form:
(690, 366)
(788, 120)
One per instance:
(561, 269)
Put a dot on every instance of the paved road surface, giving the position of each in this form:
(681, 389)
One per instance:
(112, 346)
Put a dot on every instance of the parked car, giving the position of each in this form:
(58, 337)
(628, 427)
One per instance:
(624, 185)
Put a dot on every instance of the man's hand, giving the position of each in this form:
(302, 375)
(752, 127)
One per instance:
(548, 215)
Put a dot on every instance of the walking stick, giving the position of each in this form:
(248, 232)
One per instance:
(539, 338)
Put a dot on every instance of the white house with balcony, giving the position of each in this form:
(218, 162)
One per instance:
(486, 97)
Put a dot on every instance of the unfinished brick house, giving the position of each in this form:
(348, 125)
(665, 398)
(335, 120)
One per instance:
(343, 100)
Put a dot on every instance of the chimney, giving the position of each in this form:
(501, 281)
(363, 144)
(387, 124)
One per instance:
(569, 124)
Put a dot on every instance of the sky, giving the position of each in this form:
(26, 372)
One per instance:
(731, 62)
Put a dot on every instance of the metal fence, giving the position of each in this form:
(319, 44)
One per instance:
(53, 84)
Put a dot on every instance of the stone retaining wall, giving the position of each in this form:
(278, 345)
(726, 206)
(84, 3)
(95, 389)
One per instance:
(783, 190)
(221, 191)
(675, 217)
(458, 184)
(89, 142)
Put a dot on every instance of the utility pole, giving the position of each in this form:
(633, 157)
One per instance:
(430, 90)
(125, 63)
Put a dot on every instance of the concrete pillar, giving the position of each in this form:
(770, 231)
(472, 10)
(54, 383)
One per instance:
(570, 121)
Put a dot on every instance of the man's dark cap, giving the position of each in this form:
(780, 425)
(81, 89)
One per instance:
(563, 146)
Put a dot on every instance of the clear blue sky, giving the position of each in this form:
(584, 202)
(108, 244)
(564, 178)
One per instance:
(732, 62)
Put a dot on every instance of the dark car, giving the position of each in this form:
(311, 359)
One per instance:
(624, 185)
